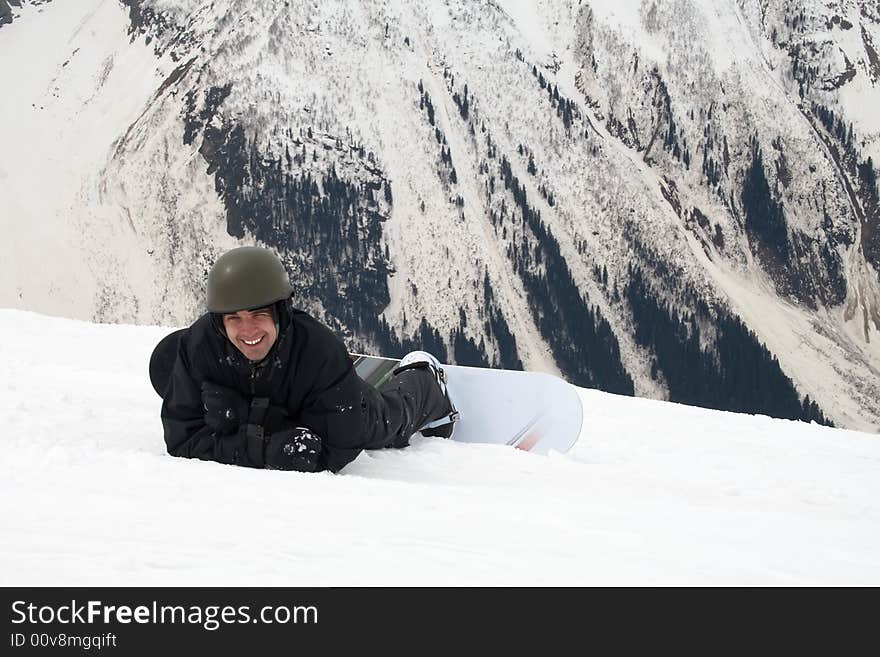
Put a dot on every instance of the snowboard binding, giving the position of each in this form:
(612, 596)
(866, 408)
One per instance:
(442, 427)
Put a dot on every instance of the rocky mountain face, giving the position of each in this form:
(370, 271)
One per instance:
(670, 199)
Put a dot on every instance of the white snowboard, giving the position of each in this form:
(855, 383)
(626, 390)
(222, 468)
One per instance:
(528, 410)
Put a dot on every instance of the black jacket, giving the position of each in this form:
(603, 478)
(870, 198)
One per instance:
(308, 374)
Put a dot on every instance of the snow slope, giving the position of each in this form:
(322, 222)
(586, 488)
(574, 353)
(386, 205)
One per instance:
(653, 493)
(82, 69)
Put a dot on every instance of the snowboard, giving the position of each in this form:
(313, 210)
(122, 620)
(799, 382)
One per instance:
(530, 411)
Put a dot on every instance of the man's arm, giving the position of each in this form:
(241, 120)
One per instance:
(214, 423)
(189, 435)
(183, 418)
(334, 407)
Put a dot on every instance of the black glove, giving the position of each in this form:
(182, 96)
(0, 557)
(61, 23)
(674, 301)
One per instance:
(225, 409)
(294, 449)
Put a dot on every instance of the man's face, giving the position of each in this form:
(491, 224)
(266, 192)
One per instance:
(252, 332)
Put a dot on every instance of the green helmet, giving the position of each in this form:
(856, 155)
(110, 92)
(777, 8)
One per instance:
(246, 278)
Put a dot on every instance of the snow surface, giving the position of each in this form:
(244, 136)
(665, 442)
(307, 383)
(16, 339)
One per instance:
(652, 494)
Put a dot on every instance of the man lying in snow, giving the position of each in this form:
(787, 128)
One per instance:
(261, 384)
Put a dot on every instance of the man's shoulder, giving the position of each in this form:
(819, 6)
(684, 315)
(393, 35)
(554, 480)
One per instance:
(200, 331)
(308, 326)
(200, 338)
(315, 336)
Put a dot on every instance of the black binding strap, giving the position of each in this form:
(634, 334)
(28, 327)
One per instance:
(255, 444)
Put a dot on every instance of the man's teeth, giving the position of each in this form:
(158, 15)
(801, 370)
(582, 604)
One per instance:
(251, 343)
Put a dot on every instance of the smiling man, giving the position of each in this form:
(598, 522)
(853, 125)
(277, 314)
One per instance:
(252, 332)
(259, 383)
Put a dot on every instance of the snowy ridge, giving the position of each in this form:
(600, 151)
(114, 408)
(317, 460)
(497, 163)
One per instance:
(653, 493)
(118, 113)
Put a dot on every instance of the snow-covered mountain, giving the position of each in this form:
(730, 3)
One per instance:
(653, 493)
(676, 199)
